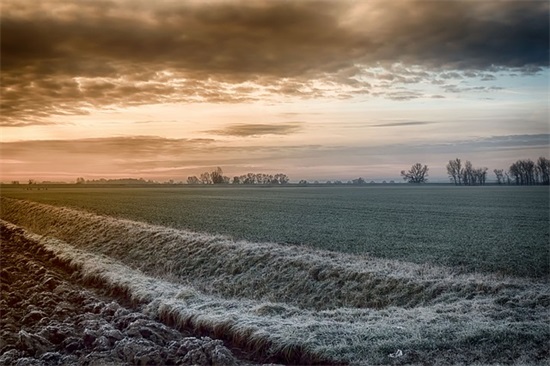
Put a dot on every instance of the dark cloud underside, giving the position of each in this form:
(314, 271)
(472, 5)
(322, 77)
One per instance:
(257, 129)
(122, 147)
(143, 147)
(402, 124)
(61, 57)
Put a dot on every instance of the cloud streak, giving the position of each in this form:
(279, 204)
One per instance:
(257, 129)
(155, 157)
(402, 124)
(131, 147)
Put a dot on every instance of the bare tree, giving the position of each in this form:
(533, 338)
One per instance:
(515, 173)
(481, 175)
(250, 178)
(523, 172)
(262, 178)
(529, 171)
(508, 180)
(473, 176)
(417, 174)
(217, 176)
(453, 169)
(499, 173)
(193, 180)
(205, 178)
(543, 170)
(281, 178)
(467, 173)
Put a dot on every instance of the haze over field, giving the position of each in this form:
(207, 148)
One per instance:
(315, 89)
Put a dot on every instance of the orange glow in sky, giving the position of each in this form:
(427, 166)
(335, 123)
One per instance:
(315, 89)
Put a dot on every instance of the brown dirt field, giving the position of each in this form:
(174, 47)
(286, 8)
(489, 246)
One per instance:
(48, 317)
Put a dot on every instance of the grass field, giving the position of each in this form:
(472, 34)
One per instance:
(300, 303)
(489, 229)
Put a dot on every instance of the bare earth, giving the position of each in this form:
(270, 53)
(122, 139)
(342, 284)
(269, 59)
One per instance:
(47, 317)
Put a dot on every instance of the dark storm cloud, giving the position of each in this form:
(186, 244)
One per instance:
(122, 46)
(257, 129)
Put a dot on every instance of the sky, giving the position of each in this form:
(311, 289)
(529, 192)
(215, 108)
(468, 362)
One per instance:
(319, 90)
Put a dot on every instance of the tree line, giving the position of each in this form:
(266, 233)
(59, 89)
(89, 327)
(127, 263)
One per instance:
(522, 172)
(466, 175)
(128, 181)
(217, 177)
(527, 172)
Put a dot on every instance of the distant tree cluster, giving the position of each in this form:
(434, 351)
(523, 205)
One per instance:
(217, 177)
(527, 172)
(81, 180)
(466, 175)
(522, 172)
(32, 183)
(354, 182)
(214, 177)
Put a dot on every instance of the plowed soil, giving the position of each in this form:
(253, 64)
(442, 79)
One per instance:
(49, 317)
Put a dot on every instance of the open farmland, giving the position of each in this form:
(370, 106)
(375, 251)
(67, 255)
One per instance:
(299, 304)
(488, 229)
(290, 303)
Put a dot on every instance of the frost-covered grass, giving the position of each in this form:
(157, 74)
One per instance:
(299, 303)
(489, 229)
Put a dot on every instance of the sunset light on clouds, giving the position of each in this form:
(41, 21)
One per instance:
(315, 89)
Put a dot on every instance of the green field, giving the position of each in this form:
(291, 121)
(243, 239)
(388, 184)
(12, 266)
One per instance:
(477, 229)
(488, 305)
